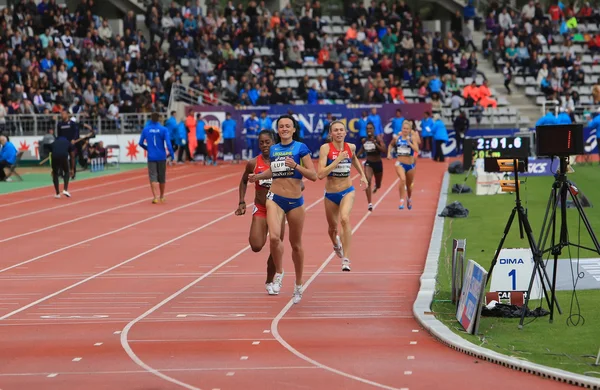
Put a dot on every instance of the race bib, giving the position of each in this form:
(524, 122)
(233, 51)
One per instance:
(279, 166)
(342, 169)
(265, 182)
(403, 150)
(369, 146)
(254, 210)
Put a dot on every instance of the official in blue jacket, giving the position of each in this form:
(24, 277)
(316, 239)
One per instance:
(548, 119)
(563, 118)
(440, 137)
(155, 139)
(8, 156)
(228, 133)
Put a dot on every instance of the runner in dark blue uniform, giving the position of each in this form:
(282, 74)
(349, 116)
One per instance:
(290, 161)
(59, 160)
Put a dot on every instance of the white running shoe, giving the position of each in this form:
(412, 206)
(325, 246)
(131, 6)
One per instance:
(66, 193)
(346, 265)
(277, 283)
(339, 250)
(57, 196)
(269, 287)
(370, 206)
(297, 294)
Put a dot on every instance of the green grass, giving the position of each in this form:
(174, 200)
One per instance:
(568, 347)
(35, 177)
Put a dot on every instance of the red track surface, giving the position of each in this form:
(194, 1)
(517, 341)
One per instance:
(128, 295)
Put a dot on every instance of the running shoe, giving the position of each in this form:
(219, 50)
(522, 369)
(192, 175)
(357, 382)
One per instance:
(401, 207)
(339, 250)
(277, 283)
(163, 199)
(66, 193)
(57, 196)
(269, 287)
(370, 206)
(375, 189)
(154, 201)
(409, 206)
(297, 294)
(346, 265)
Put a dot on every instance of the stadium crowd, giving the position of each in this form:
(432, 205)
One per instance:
(53, 58)
(549, 45)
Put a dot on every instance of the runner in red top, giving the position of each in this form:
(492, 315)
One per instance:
(258, 228)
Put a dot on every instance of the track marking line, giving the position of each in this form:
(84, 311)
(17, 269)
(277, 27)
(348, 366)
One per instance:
(407, 372)
(77, 359)
(112, 209)
(266, 331)
(124, 228)
(230, 374)
(124, 335)
(275, 322)
(117, 332)
(244, 358)
(87, 200)
(413, 343)
(415, 331)
(52, 375)
(153, 249)
(255, 342)
(410, 358)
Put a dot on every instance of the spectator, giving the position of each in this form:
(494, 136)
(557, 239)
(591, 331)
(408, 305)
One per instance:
(8, 156)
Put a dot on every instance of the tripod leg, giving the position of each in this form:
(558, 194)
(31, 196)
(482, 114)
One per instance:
(550, 211)
(506, 230)
(586, 222)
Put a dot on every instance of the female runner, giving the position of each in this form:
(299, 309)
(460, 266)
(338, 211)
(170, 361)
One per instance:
(406, 148)
(335, 161)
(258, 228)
(374, 146)
(290, 161)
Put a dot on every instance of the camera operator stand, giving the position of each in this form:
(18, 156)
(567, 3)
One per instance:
(518, 210)
(558, 194)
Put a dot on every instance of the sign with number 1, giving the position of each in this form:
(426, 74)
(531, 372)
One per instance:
(513, 273)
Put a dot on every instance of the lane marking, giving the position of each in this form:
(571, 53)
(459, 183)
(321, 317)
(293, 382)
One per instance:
(168, 212)
(415, 331)
(202, 369)
(255, 342)
(103, 196)
(125, 334)
(97, 344)
(410, 358)
(77, 359)
(413, 343)
(407, 372)
(266, 331)
(52, 375)
(117, 332)
(230, 374)
(111, 209)
(63, 316)
(277, 319)
(244, 358)
(209, 315)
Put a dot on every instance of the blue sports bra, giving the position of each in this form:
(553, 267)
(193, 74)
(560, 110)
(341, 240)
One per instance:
(278, 153)
(403, 148)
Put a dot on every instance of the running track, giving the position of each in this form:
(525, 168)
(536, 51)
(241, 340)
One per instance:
(107, 291)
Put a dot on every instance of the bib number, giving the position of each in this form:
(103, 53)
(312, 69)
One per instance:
(279, 166)
(265, 182)
(254, 210)
(369, 146)
(403, 150)
(270, 195)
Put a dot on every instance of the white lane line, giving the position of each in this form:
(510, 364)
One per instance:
(103, 196)
(77, 359)
(112, 209)
(275, 322)
(117, 332)
(52, 375)
(153, 249)
(230, 373)
(255, 342)
(407, 372)
(410, 358)
(244, 358)
(168, 212)
(125, 334)
(97, 344)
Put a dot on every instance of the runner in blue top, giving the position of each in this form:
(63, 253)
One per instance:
(407, 146)
(155, 139)
(335, 161)
(290, 161)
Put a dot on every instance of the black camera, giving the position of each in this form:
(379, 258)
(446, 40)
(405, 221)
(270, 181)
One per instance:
(559, 140)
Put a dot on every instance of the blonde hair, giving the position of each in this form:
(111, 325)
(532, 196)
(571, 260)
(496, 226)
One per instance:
(336, 122)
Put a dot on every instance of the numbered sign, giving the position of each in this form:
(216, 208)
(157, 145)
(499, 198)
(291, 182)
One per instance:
(513, 273)
(458, 267)
(471, 300)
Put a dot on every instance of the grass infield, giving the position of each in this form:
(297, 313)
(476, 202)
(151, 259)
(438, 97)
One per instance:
(560, 344)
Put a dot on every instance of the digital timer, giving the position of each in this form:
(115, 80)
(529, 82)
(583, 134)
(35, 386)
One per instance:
(499, 143)
(496, 147)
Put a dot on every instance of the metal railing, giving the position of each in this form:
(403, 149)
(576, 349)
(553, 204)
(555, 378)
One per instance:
(39, 124)
(188, 95)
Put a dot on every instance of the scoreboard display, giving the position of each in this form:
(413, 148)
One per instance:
(497, 147)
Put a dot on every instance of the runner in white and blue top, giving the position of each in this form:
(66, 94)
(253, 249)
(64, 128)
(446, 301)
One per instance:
(336, 159)
(406, 145)
(290, 162)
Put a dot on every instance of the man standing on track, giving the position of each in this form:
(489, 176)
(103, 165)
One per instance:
(59, 159)
(69, 128)
(155, 139)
